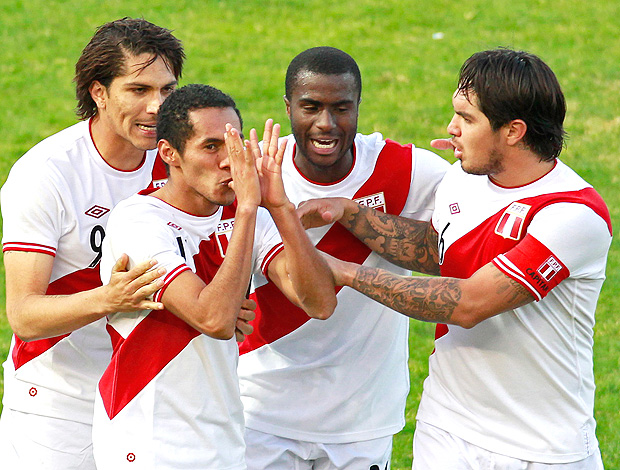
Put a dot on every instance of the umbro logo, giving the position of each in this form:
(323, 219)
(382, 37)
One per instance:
(97, 212)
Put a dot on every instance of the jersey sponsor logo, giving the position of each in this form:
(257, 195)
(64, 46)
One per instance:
(374, 201)
(510, 224)
(454, 208)
(159, 183)
(549, 268)
(173, 225)
(97, 211)
(223, 233)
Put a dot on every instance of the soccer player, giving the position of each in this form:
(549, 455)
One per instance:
(331, 394)
(55, 204)
(170, 396)
(522, 242)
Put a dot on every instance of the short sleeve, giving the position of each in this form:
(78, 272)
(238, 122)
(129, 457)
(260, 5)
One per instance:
(562, 240)
(268, 242)
(32, 211)
(140, 235)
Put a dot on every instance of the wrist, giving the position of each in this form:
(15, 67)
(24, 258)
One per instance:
(286, 207)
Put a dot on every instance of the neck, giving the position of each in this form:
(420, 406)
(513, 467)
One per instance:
(116, 151)
(523, 170)
(185, 199)
(324, 174)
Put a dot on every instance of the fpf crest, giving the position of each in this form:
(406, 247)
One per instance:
(511, 222)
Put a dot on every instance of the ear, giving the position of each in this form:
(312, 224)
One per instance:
(98, 93)
(515, 131)
(288, 106)
(168, 153)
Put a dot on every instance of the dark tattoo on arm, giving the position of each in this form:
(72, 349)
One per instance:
(516, 294)
(411, 244)
(426, 299)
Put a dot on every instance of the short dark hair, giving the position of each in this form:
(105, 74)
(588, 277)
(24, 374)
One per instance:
(511, 85)
(322, 60)
(103, 58)
(173, 123)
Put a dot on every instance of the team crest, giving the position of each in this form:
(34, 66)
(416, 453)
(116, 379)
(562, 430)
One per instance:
(374, 201)
(223, 233)
(510, 224)
(549, 268)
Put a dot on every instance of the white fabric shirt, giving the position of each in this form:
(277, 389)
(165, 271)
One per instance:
(56, 201)
(521, 383)
(344, 379)
(170, 396)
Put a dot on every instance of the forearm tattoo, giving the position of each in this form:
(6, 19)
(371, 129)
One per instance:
(427, 299)
(411, 244)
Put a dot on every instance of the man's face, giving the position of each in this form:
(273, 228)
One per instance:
(323, 110)
(130, 103)
(204, 165)
(476, 144)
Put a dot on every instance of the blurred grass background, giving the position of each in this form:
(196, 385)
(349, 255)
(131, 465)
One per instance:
(409, 53)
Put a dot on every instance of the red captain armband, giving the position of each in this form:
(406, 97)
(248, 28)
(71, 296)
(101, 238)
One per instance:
(532, 265)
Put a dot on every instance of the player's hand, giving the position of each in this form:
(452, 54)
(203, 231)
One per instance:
(319, 212)
(442, 144)
(269, 165)
(245, 181)
(246, 315)
(129, 291)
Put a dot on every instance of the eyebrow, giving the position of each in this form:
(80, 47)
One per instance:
(464, 114)
(145, 85)
(316, 102)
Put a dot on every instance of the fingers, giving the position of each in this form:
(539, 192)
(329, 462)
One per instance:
(246, 315)
(121, 264)
(254, 144)
(280, 154)
(243, 327)
(267, 136)
(442, 144)
(248, 304)
(273, 141)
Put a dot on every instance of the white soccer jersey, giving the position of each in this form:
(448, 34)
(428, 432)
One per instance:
(56, 201)
(521, 383)
(170, 396)
(344, 379)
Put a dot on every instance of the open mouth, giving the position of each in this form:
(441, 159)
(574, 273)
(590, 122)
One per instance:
(147, 127)
(324, 144)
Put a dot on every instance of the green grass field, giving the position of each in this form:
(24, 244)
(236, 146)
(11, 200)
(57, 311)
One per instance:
(409, 73)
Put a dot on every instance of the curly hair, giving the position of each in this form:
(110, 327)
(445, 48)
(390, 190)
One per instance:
(103, 58)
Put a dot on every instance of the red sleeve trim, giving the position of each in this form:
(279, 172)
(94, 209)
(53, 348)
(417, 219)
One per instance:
(264, 267)
(171, 276)
(33, 247)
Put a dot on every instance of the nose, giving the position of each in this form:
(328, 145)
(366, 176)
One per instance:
(224, 160)
(155, 102)
(325, 120)
(453, 128)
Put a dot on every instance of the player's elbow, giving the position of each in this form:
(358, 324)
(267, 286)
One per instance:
(21, 328)
(470, 312)
(217, 328)
(323, 309)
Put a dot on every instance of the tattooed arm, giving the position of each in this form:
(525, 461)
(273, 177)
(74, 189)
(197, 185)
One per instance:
(408, 243)
(462, 302)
